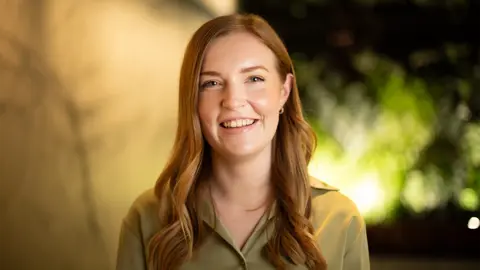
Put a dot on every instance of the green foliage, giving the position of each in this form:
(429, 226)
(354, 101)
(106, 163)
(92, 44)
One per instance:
(391, 135)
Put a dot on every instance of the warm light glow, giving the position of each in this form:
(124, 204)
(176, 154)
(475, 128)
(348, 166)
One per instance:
(473, 223)
(366, 150)
(361, 186)
(367, 194)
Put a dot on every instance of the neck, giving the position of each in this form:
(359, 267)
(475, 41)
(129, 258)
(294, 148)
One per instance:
(244, 183)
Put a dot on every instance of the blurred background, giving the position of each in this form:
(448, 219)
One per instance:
(88, 93)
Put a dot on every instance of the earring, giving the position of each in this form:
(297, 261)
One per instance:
(281, 110)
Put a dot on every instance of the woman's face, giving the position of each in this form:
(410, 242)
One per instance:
(241, 94)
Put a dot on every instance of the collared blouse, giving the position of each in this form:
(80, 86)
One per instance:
(339, 231)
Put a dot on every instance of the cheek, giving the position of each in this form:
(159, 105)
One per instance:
(265, 102)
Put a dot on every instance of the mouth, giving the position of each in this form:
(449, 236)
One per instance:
(239, 123)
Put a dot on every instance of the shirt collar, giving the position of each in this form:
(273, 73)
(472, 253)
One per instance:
(317, 184)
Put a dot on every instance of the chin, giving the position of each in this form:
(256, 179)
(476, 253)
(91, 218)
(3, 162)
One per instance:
(239, 151)
(243, 152)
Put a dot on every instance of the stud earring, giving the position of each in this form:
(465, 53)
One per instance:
(281, 110)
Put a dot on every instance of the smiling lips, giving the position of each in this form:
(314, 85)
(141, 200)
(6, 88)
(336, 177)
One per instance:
(238, 123)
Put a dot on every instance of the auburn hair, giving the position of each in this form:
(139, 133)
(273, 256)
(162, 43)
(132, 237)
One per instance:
(177, 187)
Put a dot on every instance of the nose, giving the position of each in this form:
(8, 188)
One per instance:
(234, 97)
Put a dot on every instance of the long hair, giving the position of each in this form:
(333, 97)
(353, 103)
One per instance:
(293, 144)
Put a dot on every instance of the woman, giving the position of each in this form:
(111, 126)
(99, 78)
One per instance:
(236, 193)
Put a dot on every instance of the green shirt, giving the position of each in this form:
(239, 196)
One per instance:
(340, 233)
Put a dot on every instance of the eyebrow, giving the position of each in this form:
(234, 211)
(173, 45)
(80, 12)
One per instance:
(243, 70)
(248, 69)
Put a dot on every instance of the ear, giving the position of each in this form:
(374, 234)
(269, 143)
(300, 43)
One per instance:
(286, 89)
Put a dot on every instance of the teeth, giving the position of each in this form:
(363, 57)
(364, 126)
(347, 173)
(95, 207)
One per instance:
(238, 123)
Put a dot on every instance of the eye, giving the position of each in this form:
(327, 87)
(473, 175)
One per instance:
(256, 79)
(209, 84)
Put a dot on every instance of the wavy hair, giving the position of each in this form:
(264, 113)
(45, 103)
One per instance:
(182, 229)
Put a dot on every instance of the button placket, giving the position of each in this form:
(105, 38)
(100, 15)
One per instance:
(244, 264)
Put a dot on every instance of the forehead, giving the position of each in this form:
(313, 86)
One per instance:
(236, 51)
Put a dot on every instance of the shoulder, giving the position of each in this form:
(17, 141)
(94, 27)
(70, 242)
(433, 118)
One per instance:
(328, 201)
(339, 226)
(143, 216)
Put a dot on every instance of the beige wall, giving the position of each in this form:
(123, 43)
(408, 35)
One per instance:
(88, 93)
